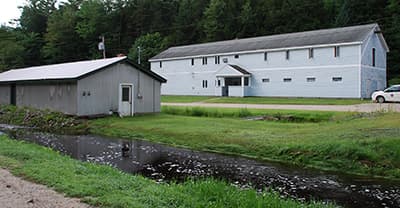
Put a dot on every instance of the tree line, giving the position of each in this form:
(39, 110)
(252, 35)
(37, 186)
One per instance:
(49, 33)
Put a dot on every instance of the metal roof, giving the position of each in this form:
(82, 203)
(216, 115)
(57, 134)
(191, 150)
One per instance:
(353, 34)
(66, 71)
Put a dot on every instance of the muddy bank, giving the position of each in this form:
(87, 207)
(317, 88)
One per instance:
(163, 164)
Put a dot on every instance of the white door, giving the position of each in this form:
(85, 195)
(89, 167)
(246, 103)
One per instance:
(126, 101)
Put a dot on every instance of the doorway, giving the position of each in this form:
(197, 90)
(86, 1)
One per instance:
(13, 94)
(126, 100)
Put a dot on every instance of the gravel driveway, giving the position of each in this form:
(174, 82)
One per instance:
(367, 107)
(17, 193)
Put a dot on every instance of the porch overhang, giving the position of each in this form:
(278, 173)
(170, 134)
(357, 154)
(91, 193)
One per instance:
(230, 70)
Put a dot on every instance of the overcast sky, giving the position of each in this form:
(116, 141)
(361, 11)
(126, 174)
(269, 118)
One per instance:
(9, 10)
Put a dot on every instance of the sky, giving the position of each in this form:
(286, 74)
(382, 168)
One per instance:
(9, 10)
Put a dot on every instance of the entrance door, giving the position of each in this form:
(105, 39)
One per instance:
(126, 100)
(13, 94)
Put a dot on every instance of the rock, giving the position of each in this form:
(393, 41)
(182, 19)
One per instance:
(30, 201)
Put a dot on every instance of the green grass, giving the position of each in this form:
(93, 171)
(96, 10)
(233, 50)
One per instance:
(365, 143)
(105, 186)
(262, 100)
(183, 99)
(281, 115)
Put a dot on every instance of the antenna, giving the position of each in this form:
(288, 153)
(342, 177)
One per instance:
(102, 46)
(139, 50)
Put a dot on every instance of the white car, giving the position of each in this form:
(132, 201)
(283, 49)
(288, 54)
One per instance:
(391, 94)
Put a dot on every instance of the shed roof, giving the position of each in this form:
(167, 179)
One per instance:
(66, 71)
(342, 35)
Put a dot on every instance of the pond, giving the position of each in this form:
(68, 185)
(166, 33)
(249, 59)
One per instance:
(164, 164)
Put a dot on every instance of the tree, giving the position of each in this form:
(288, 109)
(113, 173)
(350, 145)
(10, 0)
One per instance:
(11, 51)
(150, 45)
(215, 21)
(63, 43)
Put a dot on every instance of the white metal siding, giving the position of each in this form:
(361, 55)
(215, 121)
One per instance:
(185, 79)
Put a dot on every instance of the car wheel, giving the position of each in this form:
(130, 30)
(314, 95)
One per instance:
(380, 99)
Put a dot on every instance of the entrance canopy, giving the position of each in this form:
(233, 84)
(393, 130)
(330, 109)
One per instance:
(230, 70)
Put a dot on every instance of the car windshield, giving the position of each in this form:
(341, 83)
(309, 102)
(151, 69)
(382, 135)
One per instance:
(393, 89)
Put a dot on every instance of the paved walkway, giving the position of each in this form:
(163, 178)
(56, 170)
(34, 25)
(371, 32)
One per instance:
(367, 107)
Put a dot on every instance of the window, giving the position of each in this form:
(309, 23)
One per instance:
(204, 60)
(265, 56)
(236, 56)
(160, 64)
(311, 53)
(373, 56)
(265, 80)
(311, 79)
(287, 55)
(393, 89)
(219, 83)
(287, 79)
(217, 59)
(336, 51)
(205, 84)
(225, 60)
(192, 61)
(337, 79)
(125, 94)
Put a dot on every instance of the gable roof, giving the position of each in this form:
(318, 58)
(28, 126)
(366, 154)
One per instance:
(353, 34)
(230, 70)
(67, 71)
(240, 69)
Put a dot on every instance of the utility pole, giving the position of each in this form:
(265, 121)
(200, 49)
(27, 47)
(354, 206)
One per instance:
(138, 48)
(102, 46)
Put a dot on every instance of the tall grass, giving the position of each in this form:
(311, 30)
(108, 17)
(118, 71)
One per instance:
(286, 116)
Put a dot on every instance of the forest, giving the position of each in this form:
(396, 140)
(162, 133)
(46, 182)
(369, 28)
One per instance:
(48, 32)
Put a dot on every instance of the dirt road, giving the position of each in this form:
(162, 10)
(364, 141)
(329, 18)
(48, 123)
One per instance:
(367, 107)
(18, 193)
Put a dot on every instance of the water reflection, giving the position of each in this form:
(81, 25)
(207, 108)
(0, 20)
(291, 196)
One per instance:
(163, 163)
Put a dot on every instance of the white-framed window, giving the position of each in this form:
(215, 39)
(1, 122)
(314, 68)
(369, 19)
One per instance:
(265, 56)
(311, 79)
(287, 55)
(192, 61)
(265, 80)
(311, 53)
(217, 60)
(336, 51)
(205, 84)
(160, 64)
(225, 60)
(204, 60)
(337, 79)
(287, 79)
(236, 56)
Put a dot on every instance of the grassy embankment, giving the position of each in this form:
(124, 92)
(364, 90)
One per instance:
(367, 143)
(43, 120)
(262, 100)
(105, 186)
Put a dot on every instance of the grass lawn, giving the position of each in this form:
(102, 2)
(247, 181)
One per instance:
(183, 99)
(105, 186)
(367, 144)
(262, 100)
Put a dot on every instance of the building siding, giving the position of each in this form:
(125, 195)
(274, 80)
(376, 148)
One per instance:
(104, 85)
(4, 94)
(58, 96)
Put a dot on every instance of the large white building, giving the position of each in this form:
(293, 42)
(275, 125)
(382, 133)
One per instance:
(348, 62)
